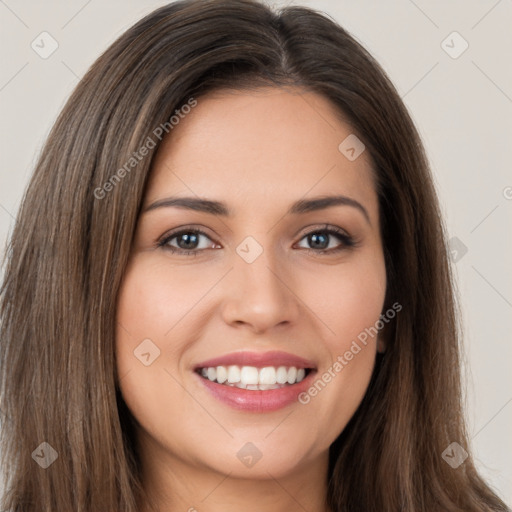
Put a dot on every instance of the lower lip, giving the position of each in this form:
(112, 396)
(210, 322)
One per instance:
(257, 401)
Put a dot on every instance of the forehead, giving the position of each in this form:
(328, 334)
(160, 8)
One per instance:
(271, 143)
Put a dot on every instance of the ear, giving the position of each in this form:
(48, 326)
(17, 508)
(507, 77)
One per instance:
(383, 338)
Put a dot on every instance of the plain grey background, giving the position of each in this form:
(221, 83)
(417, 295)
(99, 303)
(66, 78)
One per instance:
(460, 99)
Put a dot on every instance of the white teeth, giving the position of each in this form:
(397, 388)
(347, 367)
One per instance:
(268, 375)
(212, 373)
(282, 375)
(222, 374)
(233, 374)
(252, 378)
(249, 375)
(292, 375)
(265, 387)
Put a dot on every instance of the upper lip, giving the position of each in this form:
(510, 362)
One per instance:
(257, 359)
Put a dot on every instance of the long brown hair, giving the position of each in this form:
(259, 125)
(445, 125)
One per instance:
(73, 234)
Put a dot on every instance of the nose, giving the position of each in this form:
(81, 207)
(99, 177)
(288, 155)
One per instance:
(260, 295)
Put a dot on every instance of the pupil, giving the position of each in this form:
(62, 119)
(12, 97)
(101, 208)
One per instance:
(189, 239)
(314, 239)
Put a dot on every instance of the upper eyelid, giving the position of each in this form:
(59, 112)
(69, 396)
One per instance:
(178, 231)
(334, 230)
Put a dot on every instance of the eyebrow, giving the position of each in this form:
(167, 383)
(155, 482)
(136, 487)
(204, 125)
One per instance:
(220, 208)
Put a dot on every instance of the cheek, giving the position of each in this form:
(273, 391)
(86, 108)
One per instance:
(346, 298)
(348, 301)
(151, 308)
(153, 303)
(149, 313)
(149, 302)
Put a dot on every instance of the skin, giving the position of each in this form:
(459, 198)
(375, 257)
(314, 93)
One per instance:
(258, 152)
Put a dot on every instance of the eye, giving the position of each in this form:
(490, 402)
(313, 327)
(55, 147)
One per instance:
(320, 240)
(188, 241)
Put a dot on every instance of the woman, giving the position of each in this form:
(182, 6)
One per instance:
(228, 287)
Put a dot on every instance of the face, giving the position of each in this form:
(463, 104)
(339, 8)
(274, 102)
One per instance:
(269, 289)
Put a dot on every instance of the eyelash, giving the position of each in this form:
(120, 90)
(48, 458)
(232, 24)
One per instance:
(347, 241)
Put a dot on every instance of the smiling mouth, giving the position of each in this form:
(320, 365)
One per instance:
(253, 378)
